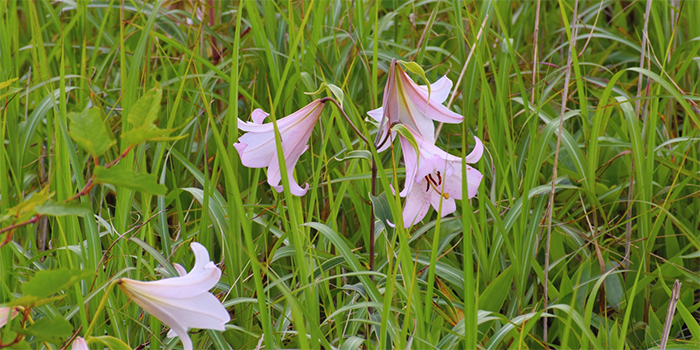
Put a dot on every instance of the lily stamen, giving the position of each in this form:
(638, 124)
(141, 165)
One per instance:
(431, 183)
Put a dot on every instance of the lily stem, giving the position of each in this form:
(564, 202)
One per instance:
(374, 180)
(342, 111)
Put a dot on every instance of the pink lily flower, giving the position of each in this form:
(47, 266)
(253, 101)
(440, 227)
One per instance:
(258, 149)
(407, 102)
(182, 302)
(6, 314)
(433, 175)
(79, 344)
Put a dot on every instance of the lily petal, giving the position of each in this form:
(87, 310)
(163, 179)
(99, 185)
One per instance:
(377, 114)
(180, 270)
(439, 90)
(473, 180)
(258, 149)
(182, 302)
(448, 205)
(79, 343)
(6, 314)
(433, 175)
(417, 206)
(476, 153)
(430, 107)
(408, 103)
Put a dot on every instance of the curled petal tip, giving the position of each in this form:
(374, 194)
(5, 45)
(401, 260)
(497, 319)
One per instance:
(259, 116)
(476, 153)
(182, 302)
(258, 147)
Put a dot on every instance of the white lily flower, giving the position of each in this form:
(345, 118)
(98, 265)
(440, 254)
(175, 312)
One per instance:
(182, 302)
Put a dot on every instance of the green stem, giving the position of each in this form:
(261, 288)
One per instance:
(101, 306)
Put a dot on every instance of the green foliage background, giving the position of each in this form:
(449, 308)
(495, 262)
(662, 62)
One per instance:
(296, 269)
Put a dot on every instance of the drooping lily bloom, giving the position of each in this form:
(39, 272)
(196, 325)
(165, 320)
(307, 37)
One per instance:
(407, 102)
(258, 149)
(182, 302)
(6, 314)
(79, 344)
(432, 175)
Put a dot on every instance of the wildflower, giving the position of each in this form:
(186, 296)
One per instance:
(258, 149)
(79, 344)
(407, 102)
(433, 175)
(6, 314)
(182, 302)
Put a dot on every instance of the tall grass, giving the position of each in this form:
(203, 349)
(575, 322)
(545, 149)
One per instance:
(606, 114)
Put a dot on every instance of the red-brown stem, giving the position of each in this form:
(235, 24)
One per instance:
(88, 186)
(126, 151)
(19, 336)
(14, 226)
(374, 182)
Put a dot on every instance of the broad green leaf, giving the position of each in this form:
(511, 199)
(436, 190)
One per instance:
(145, 111)
(60, 209)
(7, 83)
(25, 210)
(48, 282)
(148, 133)
(30, 300)
(110, 342)
(49, 330)
(12, 91)
(23, 345)
(128, 179)
(90, 132)
(143, 116)
(495, 294)
(382, 211)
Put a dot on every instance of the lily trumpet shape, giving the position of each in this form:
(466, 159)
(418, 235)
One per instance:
(79, 344)
(410, 104)
(433, 175)
(182, 302)
(258, 149)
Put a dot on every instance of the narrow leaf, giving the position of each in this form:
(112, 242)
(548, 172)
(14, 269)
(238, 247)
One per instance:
(417, 69)
(110, 342)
